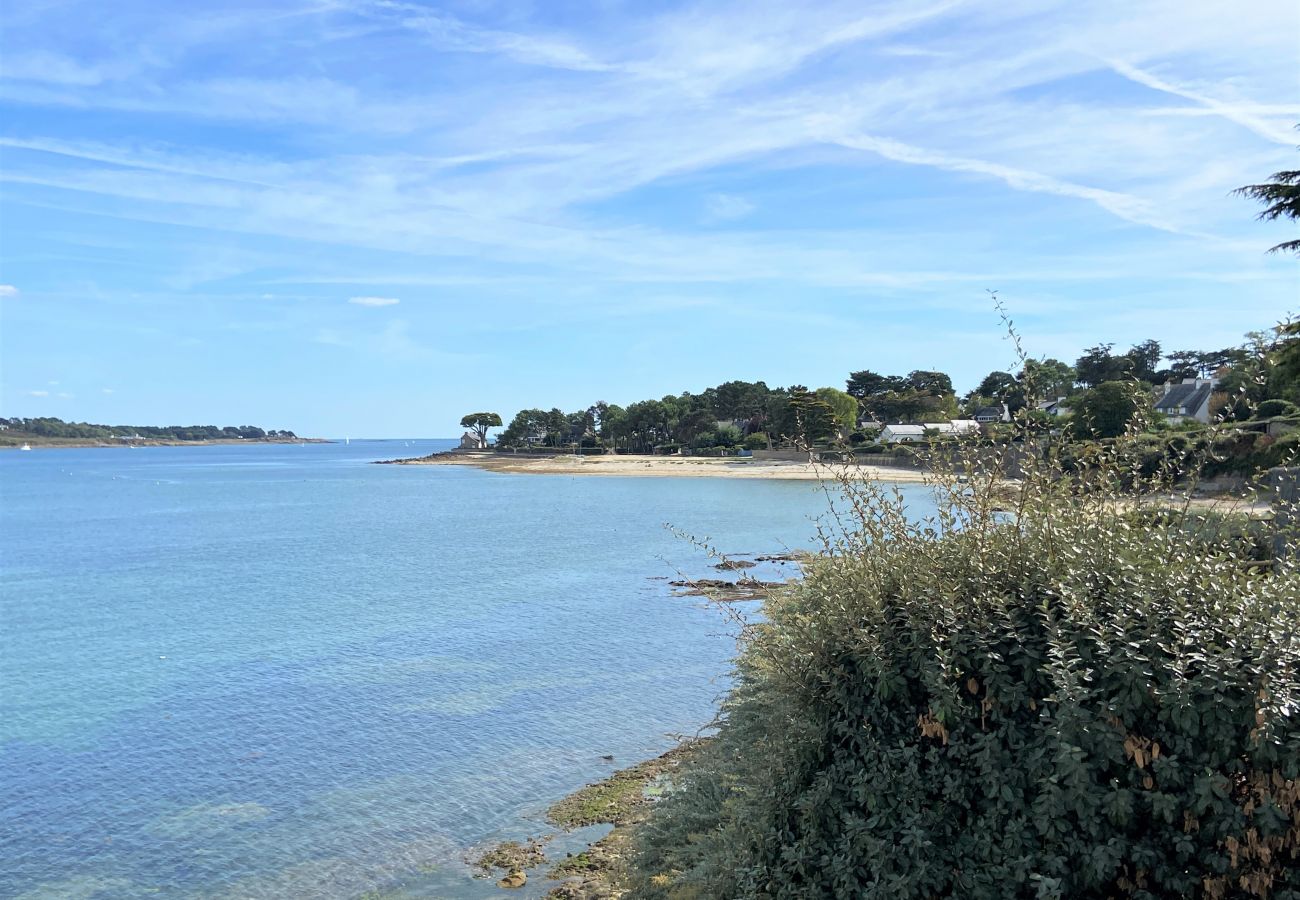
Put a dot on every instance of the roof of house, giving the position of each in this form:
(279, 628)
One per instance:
(905, 429)
(1185, 396)
(986, 411)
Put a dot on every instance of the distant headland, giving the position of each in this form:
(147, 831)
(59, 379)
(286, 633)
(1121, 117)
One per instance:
(51, 432)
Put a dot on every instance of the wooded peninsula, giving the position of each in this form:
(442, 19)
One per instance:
(1165, 397)
(51, 432)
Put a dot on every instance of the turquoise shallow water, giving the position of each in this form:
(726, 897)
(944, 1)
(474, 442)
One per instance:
(279, 671)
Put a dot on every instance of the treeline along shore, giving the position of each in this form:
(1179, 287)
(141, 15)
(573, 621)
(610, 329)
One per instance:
(1237, 406)
(52, 432)
(1099, 395)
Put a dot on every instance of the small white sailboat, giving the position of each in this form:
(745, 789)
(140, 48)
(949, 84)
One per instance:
(25, 447)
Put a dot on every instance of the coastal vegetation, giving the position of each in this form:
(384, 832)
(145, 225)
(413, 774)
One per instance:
(1254, 386)
(47, 429)
(1055, 687)
(1069, 683)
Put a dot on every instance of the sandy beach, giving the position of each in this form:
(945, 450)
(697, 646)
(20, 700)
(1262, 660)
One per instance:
(664, 466)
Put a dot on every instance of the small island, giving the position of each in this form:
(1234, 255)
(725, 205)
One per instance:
(17, 433)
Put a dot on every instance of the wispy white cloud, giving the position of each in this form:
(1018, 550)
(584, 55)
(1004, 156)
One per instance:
(885, 149)
(1247, 115)
(8, 290)
(55, 68)
(396, 341)
(724, 207)
(1128, 207)
(451, 34)
(38, 393)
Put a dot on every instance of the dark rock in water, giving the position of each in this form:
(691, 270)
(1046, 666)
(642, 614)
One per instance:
(608, 757)
(512, 857)
(794, 556)
(745, 588)
(735, 564)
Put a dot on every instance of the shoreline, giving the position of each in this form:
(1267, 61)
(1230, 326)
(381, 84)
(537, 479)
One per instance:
(629, 466)
(83, 443)
(620, 802)
(663, 466)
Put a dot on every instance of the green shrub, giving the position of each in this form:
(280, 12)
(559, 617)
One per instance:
(1086, 696)
(705, 439)
(1107, 410)
(757, 441)
(1269, 409)
(1250, 452)
(729, 436)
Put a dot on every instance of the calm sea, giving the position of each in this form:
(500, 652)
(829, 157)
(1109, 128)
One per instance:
(280, 671)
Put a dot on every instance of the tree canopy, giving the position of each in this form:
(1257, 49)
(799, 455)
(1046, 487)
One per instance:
(1281, 198)
(49, 427)
(1106, 410)
(753, 413)
(478, 423)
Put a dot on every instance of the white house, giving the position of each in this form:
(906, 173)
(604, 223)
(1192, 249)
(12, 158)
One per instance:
(902, 434)
(907, 434)
(1055, 407)
(469, 442)
(955, 428)
(1188, 400)
(986, 414)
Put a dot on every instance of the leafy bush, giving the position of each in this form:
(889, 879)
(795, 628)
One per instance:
(1271, 408)
(1249, 452)
(1108, 409)
(757, 441)
(1086, 696)
(728, 436)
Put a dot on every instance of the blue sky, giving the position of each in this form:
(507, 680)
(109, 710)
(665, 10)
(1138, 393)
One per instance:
(367, 218)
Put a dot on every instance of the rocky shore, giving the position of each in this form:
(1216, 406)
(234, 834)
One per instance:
(600, 872)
